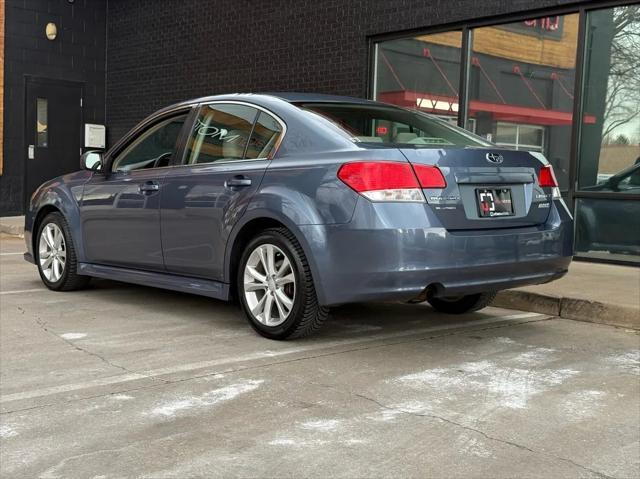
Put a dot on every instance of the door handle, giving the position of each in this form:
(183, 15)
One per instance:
(149, 187)
(238, 180)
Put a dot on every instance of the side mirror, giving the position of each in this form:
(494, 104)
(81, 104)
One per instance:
(91, 160)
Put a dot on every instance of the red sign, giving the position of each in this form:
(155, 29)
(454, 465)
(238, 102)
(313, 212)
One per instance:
(541, 27)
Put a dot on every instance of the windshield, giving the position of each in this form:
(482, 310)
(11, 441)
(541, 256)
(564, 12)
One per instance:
(395, 126)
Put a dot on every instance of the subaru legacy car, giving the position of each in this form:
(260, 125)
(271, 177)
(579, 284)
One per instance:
(293, 203)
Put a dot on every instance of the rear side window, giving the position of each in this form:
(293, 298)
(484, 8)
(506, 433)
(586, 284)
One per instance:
(395, 126)
(221, 132)
(264, 138)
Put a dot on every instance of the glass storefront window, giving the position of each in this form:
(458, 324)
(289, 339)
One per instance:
(521, 80)
(609, 150)
(521, 86)
(421, 73)
(609, 155)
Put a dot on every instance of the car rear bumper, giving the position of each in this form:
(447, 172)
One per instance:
(383, 258)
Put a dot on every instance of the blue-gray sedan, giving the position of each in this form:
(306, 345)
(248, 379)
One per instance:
(292, 203)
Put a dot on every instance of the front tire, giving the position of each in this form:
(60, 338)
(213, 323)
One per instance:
(56, 255)
(462, 304)
(276, 288)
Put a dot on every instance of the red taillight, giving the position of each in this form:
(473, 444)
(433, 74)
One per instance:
(390, 180)
(377, 175)
(547, 178)
(429, 176)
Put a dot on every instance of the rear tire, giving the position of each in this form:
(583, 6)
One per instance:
(55, 255)
(462, 304)
(276, 289)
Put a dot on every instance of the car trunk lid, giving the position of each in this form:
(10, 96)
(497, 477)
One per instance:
(487, 188)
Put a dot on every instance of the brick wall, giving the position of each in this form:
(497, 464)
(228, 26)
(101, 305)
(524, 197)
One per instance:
(162, 51)
(77, 54)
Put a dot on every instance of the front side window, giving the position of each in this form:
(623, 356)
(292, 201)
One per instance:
(221, 133)
(153, 148)
(391, 125)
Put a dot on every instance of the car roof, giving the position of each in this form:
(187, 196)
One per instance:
(628, 170)
(296, 97)
(267, 100)
(290, 97)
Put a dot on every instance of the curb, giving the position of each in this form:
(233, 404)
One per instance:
(570, 308)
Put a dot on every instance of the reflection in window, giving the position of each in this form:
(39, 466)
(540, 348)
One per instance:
(519, 137)
(264, 137)
(153, 148)
(606, 227)
(221, 133)
(610, 144)
(421, 73)
(521, 86)
(42, 124)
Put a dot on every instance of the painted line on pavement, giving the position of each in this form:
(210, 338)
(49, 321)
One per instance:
(11, 254)
(21, 291)
(150, 374)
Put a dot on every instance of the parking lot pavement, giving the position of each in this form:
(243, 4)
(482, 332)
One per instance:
(127, 381)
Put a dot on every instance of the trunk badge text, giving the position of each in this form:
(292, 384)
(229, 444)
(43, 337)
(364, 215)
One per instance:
(494, 158)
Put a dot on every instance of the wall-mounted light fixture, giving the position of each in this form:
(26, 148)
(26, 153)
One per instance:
(51, 31)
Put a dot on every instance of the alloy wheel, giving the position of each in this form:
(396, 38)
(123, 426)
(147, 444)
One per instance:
(52, 252)
(269, 285)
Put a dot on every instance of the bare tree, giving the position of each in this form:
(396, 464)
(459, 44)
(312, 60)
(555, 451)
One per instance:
(622, 102)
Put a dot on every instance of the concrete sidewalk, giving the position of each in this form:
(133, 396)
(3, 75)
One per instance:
(593, 292)
(600, 293)
(12, 225)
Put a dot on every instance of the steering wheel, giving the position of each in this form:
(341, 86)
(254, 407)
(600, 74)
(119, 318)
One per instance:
(162, 160)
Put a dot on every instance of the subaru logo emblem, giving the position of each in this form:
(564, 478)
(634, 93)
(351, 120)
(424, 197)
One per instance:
(494, 158)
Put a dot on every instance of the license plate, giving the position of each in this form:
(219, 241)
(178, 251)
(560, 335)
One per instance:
(494, 202)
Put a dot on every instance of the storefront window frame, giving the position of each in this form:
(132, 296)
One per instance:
(466, 54)
(571, 193)
(575, 191)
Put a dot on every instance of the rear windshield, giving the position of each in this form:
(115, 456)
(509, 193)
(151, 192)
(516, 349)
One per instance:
(395, 126)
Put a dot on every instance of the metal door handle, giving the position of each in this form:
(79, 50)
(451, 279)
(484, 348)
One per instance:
(238, 181)
(149, 187)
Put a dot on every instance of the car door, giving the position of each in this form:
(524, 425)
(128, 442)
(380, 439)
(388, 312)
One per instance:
(611, 213)
(120, 205)
(225, 158)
